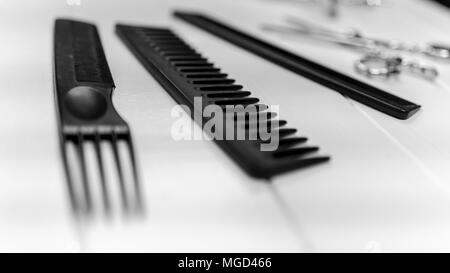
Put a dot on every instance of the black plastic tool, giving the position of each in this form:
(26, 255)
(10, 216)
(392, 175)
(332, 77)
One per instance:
(185, 74)
(348, 86)
(83, 90)
(445, 3)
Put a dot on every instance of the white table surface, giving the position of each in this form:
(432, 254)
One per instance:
(387, 187)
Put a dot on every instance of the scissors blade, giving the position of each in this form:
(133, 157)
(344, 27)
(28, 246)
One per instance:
(351, 43)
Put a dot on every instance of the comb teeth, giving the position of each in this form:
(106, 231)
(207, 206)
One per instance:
(371, 96)
(205, 75)
(228, 94)
(171, 60)
(89, 61)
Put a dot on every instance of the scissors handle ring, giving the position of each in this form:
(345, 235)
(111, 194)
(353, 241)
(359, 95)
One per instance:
(376, 65)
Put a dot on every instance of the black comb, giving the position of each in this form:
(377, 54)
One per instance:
(87, 118)
(185, 74)
(348, 86)
(445, 3)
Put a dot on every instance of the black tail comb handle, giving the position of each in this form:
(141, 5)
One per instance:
(185, 74)
(348, 86)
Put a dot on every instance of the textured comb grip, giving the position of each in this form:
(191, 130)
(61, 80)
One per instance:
(83, 81)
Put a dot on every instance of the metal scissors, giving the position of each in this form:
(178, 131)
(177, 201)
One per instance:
(332, 6)
(354, 38)
(375, 62)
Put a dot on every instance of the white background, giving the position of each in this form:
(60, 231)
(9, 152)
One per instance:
(386, 189)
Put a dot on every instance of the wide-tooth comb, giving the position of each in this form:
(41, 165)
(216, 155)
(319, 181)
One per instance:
(90, 127)
(186, 74)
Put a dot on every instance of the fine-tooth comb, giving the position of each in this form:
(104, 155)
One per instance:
(186, 74)
(348, 86)
(96, 143)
